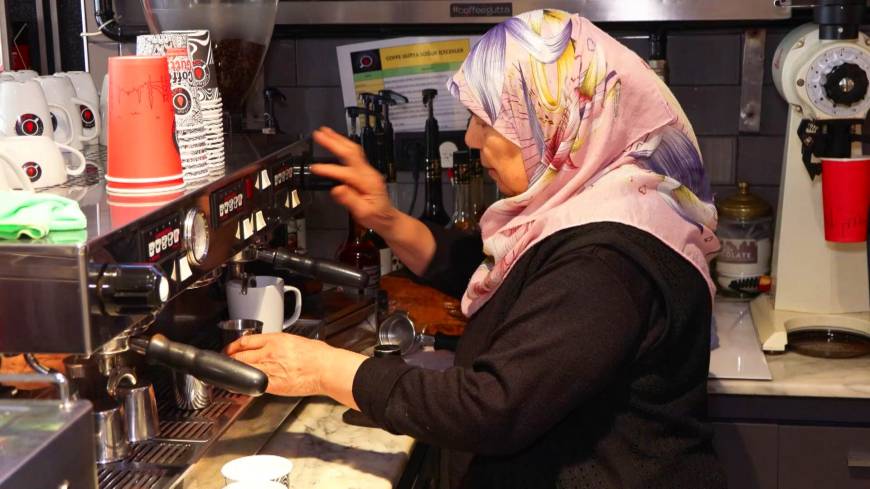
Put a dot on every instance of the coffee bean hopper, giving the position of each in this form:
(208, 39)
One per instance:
(240, 30)
(137, 298)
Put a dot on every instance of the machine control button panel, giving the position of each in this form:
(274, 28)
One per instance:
(231, 201)
(161, 238)
(282, 175)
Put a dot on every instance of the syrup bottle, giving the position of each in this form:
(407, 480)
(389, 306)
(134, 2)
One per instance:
(433, 206)
(476, 185)
(463, 219)
(359, 252)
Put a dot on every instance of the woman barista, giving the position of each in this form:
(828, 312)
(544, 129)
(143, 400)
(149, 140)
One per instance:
(584, 361)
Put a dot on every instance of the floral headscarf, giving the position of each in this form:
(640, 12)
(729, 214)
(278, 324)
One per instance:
(602, 139)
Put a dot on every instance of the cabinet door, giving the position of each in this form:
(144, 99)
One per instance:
(748, 453)
(822, 456)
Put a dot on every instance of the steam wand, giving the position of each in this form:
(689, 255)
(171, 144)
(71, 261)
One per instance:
(324, 270)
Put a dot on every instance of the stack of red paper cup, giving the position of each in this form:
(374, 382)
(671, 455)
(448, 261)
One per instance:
(143, 157)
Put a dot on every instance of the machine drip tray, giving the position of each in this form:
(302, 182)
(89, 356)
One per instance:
(184, 436)
(163, 453)
(134, 478)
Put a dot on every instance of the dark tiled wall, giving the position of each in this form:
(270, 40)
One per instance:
(705, 76)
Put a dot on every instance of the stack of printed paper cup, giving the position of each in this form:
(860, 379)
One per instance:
(205, 76)
(189, 127)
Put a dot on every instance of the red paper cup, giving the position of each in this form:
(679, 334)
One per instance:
(141, 122)
(846, 198)
(127, 208)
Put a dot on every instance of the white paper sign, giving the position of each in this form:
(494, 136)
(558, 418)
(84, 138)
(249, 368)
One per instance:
(407, 65)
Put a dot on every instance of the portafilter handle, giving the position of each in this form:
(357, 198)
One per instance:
(209, 366)
(324, 270)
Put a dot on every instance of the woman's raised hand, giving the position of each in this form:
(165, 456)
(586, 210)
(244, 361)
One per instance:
(361, 190)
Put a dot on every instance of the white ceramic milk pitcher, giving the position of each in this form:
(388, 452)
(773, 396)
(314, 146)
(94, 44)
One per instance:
(264, 301)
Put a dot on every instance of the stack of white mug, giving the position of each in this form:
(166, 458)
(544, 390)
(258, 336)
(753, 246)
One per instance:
(210, 102)
(72, 102)
(43, 116)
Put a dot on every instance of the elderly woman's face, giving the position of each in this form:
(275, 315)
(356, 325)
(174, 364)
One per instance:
(499, 156)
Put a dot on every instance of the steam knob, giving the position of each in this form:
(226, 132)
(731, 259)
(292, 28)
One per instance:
(846, 84)
(127, 290)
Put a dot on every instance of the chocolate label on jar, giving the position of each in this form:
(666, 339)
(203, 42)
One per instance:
(743, 258)
(739, 251)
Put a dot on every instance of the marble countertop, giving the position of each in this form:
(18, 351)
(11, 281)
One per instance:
(791, 374)
(799, 375)
(328, 453)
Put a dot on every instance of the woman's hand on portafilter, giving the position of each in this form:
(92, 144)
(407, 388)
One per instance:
(362, 190)
(298, 366)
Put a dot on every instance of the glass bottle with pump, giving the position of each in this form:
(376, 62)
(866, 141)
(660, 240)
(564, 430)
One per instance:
(358, 250)
(368, 136)
(463, 219)
(353, 114)
(433, 205)
(361, 253)
(476, 187)
(658, 54)
(388, 99)
(384, 161)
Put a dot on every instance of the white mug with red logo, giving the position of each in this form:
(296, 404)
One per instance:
(64, 106)
(104, 102)
(40, 158)
(90, 115)
(24, 110)
(22, 75)
(12, 177)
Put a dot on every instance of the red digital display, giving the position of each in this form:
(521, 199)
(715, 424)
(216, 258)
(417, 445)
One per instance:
(282, 175)
(229, 202)
(161, 239)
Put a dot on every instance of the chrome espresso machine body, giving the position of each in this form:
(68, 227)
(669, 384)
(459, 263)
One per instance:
(151, 270)
(138, 254)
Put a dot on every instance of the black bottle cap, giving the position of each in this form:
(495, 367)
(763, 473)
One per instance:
(387, 351)
(383, 300)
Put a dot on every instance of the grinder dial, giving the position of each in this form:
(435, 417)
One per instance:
(846, 84)
(836, 82)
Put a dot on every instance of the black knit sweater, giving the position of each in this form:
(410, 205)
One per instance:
(587, 368)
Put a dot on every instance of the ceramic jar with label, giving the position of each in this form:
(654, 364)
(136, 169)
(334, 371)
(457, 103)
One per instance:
(746, 231)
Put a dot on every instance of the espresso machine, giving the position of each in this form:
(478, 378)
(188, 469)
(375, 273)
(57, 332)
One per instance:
(819, 286)
(135, 300)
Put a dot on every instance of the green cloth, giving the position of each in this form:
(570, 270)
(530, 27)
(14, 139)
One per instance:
(32, 215)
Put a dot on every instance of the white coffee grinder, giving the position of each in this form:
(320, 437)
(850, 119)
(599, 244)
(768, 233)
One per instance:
(819, 286)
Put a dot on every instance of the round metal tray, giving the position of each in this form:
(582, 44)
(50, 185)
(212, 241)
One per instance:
(828, 343)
